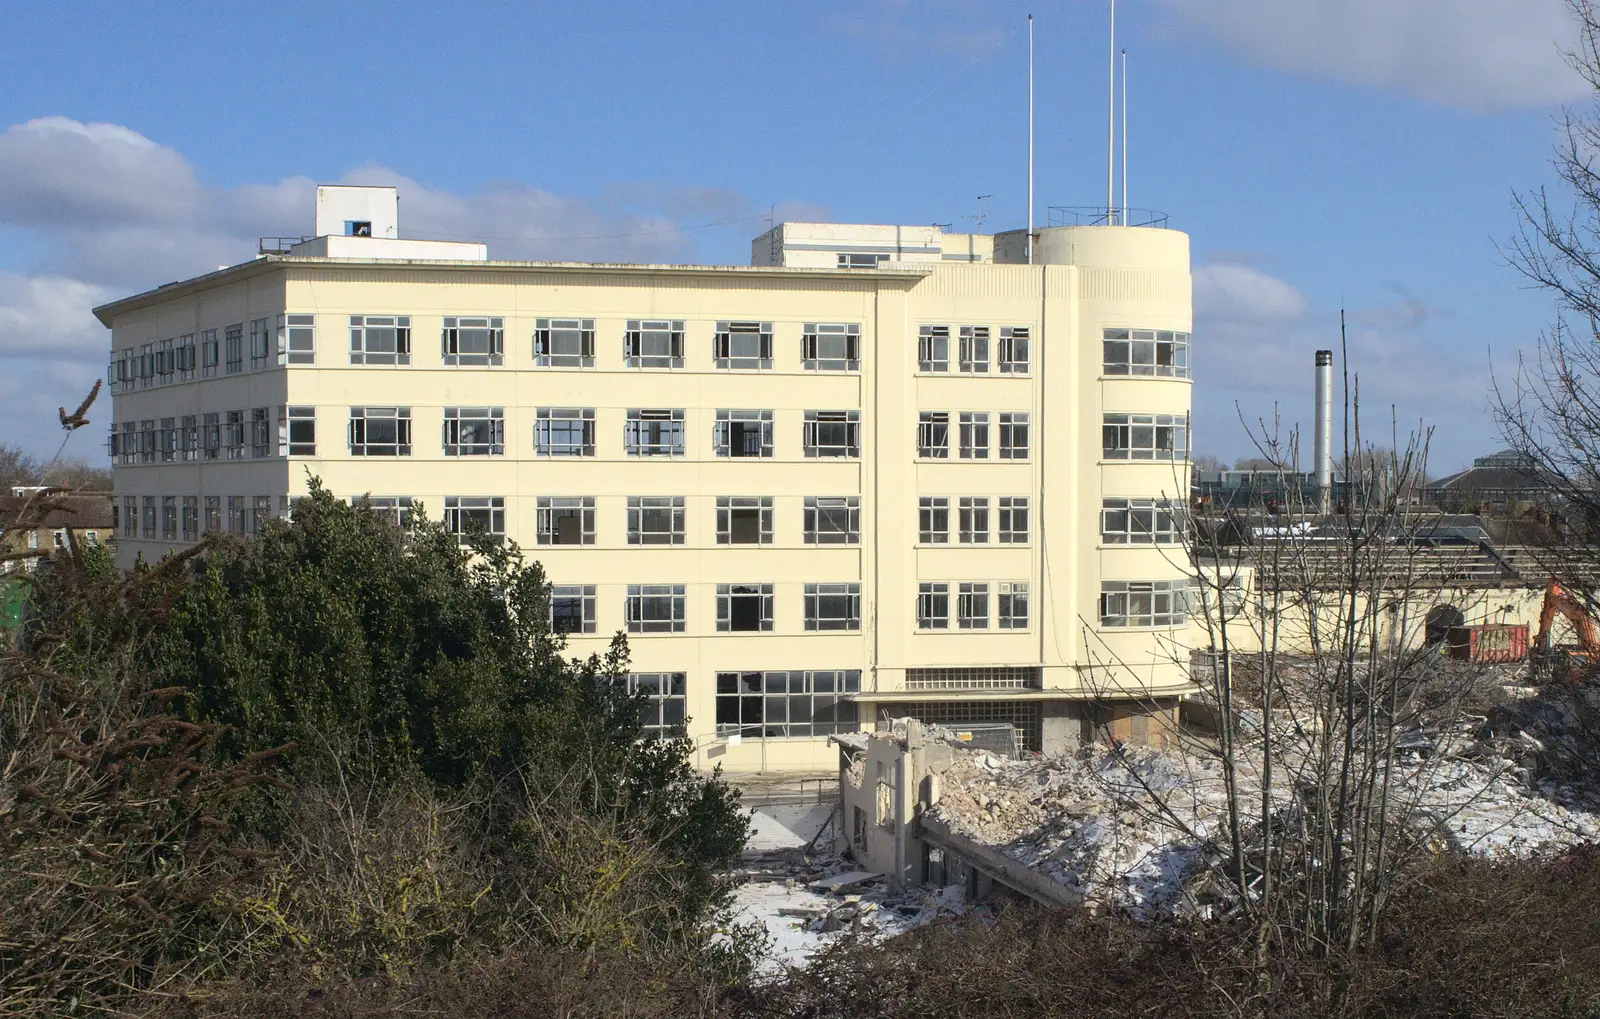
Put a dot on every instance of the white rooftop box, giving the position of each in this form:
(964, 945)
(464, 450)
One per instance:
(345, 210)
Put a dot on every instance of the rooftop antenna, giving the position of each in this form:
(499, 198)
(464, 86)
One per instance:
(981, 216)
(1030, 141)
(1111, 124)
(1124, 136)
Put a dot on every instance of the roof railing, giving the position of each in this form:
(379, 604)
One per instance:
(280, 245)
(1099, 215)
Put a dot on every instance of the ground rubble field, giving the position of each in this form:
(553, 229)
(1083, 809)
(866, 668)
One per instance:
(1132, 827)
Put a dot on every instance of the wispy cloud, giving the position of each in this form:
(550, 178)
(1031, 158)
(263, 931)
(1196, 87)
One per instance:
(1472, 54)
(907, 29)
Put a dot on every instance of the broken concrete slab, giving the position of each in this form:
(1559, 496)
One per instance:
(839, 883)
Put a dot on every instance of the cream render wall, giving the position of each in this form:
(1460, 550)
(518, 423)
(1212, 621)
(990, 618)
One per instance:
(1126, 277)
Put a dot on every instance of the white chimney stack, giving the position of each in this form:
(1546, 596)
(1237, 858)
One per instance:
(1323, 451)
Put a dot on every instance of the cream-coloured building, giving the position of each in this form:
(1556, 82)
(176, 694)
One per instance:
(812, 496)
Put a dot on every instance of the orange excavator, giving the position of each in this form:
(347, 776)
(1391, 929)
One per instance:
(1569, 664)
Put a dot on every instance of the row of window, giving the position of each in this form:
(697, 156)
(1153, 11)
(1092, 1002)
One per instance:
(756, 705)
(570, 432)
(185, 518)
(646, 343)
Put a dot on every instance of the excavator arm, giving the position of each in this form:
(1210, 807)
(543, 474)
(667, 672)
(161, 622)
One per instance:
(1559, 601)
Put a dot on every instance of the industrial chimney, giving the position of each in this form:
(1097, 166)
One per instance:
(1323, 451)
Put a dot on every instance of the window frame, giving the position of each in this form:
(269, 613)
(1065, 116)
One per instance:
(1006, 530)
(815, 512)
(638, 596)
(1138, 353)
(1120, 430)
(974, 427)
(362, 447)
(549, 509)
(722, 344)
(453, 430)
(972, 350)
(648, 507)
(722, 433)
(1012, 340)
(933, 605)
(1121, 519)
(933, 435)
(1010, 595)
(812, 335)
(1120, 608)
(362, 352)
(811, 434)
(1014, 424)
(933, 348)
(728, 505)
(633, 342)
(297, 431)
(462, 510)
(750, 704)
(933, 520)
(760, 594)
(973, 511)
(450, 353)
(297, 339)
(634, 432)
(584, 597)
(818, 594)
(972, 605)
(544, 331)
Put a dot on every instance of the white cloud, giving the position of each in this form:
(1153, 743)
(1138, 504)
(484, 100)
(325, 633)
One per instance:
(56, 172)
(49, 317)
(1235, 293)
(1471, 54)
(914, 29)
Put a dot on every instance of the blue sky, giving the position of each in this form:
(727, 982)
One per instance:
(1320, 153)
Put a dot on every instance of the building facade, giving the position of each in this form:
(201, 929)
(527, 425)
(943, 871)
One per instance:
(812, 497)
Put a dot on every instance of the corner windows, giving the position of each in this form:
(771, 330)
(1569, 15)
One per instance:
(563, 342)
(650, 432)
(933, 348)
(744, 520)
(1014, 350)
(1140, 522)
(743, 433)
(973, 350)
(933, 520)
(653, 343)
(297, 339)
(655, 608)
(563, 431)
(473, 341)
(572, 608)
(1150, 352)
(832, 433)
(1014, 435)
(564, 520)
(465, 516)
(1144, 602)
(832, 520)
(474, 431)
(380, 431)
(830, 346)
(297, 431)
(742, 344)
(380, 339)
(744, 608)
(655, 520)
(1145, 437)
(833, 606)
(933, 435)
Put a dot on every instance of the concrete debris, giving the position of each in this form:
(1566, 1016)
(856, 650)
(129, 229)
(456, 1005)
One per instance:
(848, 881)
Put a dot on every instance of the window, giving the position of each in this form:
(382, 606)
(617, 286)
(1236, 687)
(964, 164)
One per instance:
(563, 342)
(380, 339)
(236, 514)
(975, 436)
(211, 436)
(933, 606)
(208, 353)
(297, 339)
(830, 346)
(1139, 522)
(1145, 437)
(744, 608)
(167, 440)
(213, 521)
(147, 365)
(933, 435)
(169, 518)
(380, 431)
(563, 431)
(1160, 353)
(654, 433)
(1013, 606)
(261, 342)
(1013, 353)
(655, 608)
(972, 606)
(776, 705)
(130, 516)
(744, 520)
(191, 518)
(474, 431)
(166, 362)
(185, 353)
(973, 350)
(260, 432)
(233, 435)
(933, 520)
(572, 608)
(93, 538)
(833, 606)
(861, 259)
(297, 431)
(933, 348)
(260, 513)
(1013, 520)
(358, 228)
(833, 520)
(397, 509)
(743, 345)
(1143, 602)
(743, 433)
(1014, 435)
(116, 371)
(663, 708)
(467, 515)
(147, 519)
(189, 438)
(564, 520)
(128, 446)
(653, 343)
(974, 522)
(830, 433)
(655, 520)
(473, 341)
(147, 442)
(233, 345)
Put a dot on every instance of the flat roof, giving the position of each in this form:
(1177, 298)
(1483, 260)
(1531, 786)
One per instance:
(265, 263)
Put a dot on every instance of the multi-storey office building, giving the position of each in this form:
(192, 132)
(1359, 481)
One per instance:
(812, 497)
